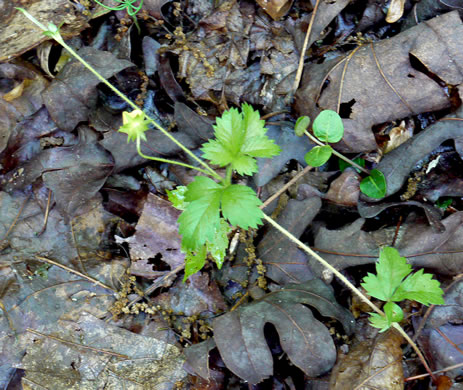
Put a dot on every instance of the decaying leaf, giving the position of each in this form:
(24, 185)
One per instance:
(442, 336)
(371, 365)
(18, 34)
(90, 354)
(369, 98)
(156, 239)
(239, 334)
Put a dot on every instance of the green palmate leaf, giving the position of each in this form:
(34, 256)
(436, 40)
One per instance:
(393, 313)
(240, 137)
(343, 164)
(301, 126)
(391, 269)
(199, 220)
(240, 205)
(219, 245)
(194, 261)
(328, 126)
(177, 197)
(374, 185)
(420, 287)
(318, 155)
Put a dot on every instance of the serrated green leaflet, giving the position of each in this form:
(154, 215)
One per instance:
(194, 261)
(389, 285)
(219, 245)
(198, 221)
(391, 269)
(328, 126)
(240, 205)
(374, 185)
(240, 137)
(177, 197)
(318, 155)
(420, 287)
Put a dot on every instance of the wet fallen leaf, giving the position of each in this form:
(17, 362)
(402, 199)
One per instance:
(344, 190)
(370, 364)
(240, 339)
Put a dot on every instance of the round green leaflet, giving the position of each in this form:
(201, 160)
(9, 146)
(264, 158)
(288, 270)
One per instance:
(328, 126)
(374, 185)
(318, 155)
(301, 125)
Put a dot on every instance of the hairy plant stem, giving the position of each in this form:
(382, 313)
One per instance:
(336, 153)
(228, 176)
(164, 160)
(343, 279)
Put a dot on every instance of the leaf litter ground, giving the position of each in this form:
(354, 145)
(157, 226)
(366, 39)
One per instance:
(91, 260)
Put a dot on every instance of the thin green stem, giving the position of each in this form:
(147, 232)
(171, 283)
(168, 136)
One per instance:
(343, 279)
(336, 153)
(228, 176)
(209, 170)
(164, 160)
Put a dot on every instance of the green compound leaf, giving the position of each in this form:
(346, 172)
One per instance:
(240, 138)
(420, 287)
(343, 164)
(301, 126)
(177, 197)
(199, 220)
(393, 313)
(219, 245)
(391, 269)
(318, 155)
(194, 261)
(374, 185)
(240, 205)
(328, 126)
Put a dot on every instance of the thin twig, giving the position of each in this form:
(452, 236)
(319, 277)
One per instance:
(90, 279)
(105, 351)
(45, 218)
(300, 67)
(449, 368)
(285, 187)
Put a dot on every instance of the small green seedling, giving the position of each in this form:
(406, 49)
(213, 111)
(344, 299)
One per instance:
(394, 282)
(129, 5)
(209, 208)
(328, 128)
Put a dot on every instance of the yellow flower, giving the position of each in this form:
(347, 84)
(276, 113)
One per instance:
(134, 125)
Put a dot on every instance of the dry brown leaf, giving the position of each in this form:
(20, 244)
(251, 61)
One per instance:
(275, 8)
(395, 11)
(371, 365)
(18, 34)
